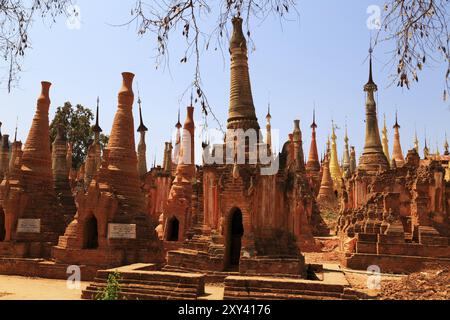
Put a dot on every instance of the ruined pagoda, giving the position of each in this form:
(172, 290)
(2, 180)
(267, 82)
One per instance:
(250, 217)
(178, 211)
(33, 218)
(326, 197)
(60, 174)
(111, 227)
(373, 158)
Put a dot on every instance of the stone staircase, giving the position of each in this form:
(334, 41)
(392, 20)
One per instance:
(198, 242)
(138, 284)
(258, 288)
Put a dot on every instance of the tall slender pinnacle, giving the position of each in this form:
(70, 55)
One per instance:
(176, 150)
(385, 141)
(242, 113)
(269, 130)
(397, 153)
(373, 157)
(142, 127)
(446, 146)
(352, 159)
(416, 142)
(298, 146)
(326, 196)
(313, 163)
(15, 132)
(142, 147)
(95, 150)
(346, 158)
(335, 169)
(426, 151)
(96, 128)
(186, 164)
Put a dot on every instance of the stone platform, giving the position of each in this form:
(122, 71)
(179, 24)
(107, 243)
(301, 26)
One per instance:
(40, 268)
(137, 282)
(14, 249)
(395, 255)
(330, 285)
(392, 263)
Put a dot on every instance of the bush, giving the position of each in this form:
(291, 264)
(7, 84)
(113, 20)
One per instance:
(112, 289)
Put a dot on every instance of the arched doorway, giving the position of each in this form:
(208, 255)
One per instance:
(2, 226)
(234, 242)
(91, 234)
(173, 229)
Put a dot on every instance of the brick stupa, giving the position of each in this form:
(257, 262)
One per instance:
(33, 220)
(111, 227)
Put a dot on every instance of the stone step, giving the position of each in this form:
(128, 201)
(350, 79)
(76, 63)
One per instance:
(282, 292)
(238, 295)
(148, 290)
(160, 283)
(90, 295)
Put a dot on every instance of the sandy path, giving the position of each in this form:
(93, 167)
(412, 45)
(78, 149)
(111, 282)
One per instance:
(21, 288)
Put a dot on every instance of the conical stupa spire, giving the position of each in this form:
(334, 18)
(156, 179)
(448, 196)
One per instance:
(426, 151)
(96, 128)
(36, 153)
(142, 147)
(397, 154)
(335, 169)
(373, 157)
(346, 156)
(269, 130)
(142, 127)
(385, 141)
(416, 142)
(242, 113)
(313, 163)
(122, 158)
(326, 196)
(446, 146)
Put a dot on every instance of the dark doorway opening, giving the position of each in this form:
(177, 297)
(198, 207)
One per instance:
(91, 234)
(2, 226)
(235, 233)
(174, 229)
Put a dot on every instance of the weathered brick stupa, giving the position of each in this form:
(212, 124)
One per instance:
(313, 165)
(61, 175)
(33, 220)
(111, 227)
(397, 218)
(178, 211)
(252, 222)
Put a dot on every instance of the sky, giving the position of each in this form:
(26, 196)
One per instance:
(318, 59)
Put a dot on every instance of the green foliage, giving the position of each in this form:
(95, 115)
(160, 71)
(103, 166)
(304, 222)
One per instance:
(112, 289)
(77, 121)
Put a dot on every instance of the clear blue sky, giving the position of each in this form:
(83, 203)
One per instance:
(320, 58)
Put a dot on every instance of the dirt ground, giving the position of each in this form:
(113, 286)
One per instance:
(22, 288)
